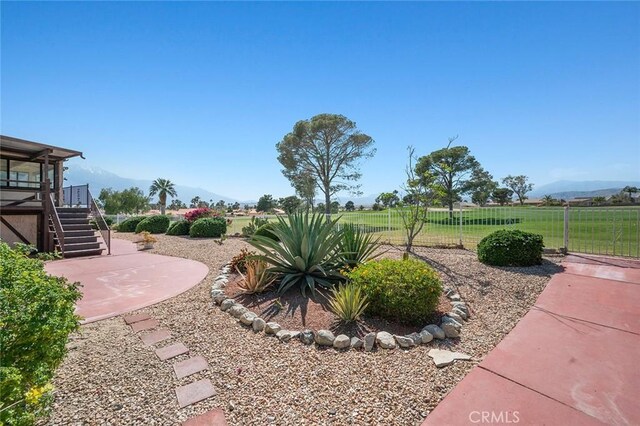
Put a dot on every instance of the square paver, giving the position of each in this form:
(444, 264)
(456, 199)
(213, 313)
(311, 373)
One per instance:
(194, 392)
(130, 319)
(210, 418)
(144, 325)
(171, 351)
(190, 366)
(155, 337)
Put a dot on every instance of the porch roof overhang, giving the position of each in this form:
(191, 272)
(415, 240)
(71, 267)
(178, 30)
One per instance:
(33, 150)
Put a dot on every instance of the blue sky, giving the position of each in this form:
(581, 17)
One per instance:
(200, 93)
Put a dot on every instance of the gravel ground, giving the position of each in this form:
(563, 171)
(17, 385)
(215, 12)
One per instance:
(110, 377)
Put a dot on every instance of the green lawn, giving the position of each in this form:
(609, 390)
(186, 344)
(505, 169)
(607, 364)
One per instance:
(598, 230)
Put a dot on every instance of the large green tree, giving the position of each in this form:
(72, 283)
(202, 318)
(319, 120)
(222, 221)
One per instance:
(290, 204)
(482, 186)
(453, 168)
(502, 196)
(519, 185)
(266, 203)
(325, 149)
(388, 199)
(162, 188)
(128, 201)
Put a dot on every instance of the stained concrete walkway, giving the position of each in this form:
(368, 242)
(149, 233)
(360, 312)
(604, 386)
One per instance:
(572, 360)
(126, 280)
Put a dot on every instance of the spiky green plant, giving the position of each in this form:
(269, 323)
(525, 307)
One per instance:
(256, 278)
(357, 246)
(348, 302)
(307, 254)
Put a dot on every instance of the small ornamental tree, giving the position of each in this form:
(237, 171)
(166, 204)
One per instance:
(196, 214)
(519, 185)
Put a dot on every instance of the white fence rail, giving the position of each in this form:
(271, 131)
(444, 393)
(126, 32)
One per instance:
(592, 230)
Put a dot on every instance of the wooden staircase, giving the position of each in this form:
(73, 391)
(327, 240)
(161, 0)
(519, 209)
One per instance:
(80, 238)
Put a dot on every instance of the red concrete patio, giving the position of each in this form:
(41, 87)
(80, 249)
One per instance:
(572, 360)
(126, 280)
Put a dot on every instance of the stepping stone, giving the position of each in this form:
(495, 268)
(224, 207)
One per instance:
(155, 337)
(442, 358)
(130, 319)
(190, 366)
(194, 392)
(144, 325)
(171, 351)
(210, 418)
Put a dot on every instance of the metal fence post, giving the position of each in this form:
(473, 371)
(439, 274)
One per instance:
(566, 229)
(461, 224)
(389, 222)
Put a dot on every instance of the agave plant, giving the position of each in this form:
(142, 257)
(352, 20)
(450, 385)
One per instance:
(348, 302)
(357, 246)
(257, 278)
(307, 254)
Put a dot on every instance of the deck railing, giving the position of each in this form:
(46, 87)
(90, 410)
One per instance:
(101, 223)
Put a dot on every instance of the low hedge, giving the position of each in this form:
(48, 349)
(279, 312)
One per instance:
(180, 227)
(157, 224)
(406, 291)
(36, 318)
(208, 227)
(511, 248)
(129, 225)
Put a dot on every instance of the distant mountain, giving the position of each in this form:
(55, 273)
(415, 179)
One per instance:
(97, 178)
(567, 189)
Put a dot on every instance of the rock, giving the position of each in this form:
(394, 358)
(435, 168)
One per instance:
(237, 310)
(385, 340)
(425, 336)
(451, 327)
(442, 357)
(258, 324)
(461, 306)
(294, 334)
(324, 338)
(283, 335)
(218, 298)
(369, 341)
(341, 342)
(226, 304)
(435, 331)
(453, 315)
(405, 341)
(462, 314)
(216, 291)
(356, 343)
(417, 339)
(306, 337)
(247, 318)
(455, 297)
(272, 327)
(221, 278)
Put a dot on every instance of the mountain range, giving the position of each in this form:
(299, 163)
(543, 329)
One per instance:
(98, 178)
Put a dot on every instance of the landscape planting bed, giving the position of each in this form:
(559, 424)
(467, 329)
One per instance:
(110, 376)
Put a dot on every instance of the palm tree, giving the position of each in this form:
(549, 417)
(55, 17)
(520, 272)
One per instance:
(162, 187)
(630, 190)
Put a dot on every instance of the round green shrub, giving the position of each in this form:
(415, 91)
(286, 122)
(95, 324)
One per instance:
(511, 248)
(180, 227)
(157, 224)
(265, 231)
(208, 227)
(37, 314)
(406, 291)
(129, 225)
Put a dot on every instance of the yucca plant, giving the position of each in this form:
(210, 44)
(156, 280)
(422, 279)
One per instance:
(307, 254)
(348, 302)
(257, 277)
(357, 246)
